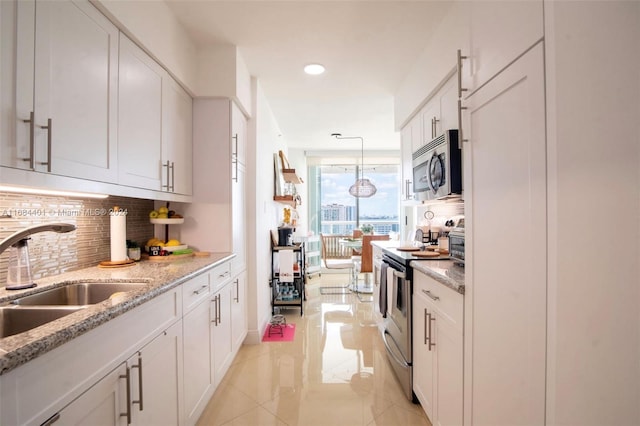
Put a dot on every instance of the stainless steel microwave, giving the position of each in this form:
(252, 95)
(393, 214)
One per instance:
(437, 168)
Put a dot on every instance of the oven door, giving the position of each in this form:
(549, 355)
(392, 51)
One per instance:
(398, 320)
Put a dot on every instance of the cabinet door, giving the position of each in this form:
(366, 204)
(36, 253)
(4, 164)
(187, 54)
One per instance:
(505, 312)
(407, 166)
(17, 32)
(423, 356)
(104, 404)
(76, 83)
(500, 31)
(448, 378)
(220, 333)
(238, 134)
(448, 100)
(417, 132)
(156, 380)
(238, 220)
(139, 118)
(197, 360)
(430, 116)
(238, 310)
(177, 138)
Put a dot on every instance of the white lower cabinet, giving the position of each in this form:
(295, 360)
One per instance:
(221, 350)
(105, 403)
(238, 310)
(197, 361)
(438, 350)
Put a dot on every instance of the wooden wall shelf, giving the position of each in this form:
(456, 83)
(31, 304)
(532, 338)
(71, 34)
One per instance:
(286, 199)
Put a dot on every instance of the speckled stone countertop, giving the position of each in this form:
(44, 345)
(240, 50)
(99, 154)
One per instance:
(443, 271)
(160, 277)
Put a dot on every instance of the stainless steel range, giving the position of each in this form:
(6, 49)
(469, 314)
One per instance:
(397, 276)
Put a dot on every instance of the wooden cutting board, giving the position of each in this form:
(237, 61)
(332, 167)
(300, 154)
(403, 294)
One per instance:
(408, 248)
(426, 254)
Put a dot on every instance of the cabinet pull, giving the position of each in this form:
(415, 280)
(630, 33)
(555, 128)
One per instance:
(234, 158)
(215, 316)
(428, 293)
(431, 319)
(139, 367)
(218, 311)
(407, 190)
(51, 420)
(173, 177)
(200, 290)
(460, 107)
(237, 298)
(127, 377)
(168, 176)
(434, 131)
(425, 326)
(49, 132)
(224, 274)
(32, 140)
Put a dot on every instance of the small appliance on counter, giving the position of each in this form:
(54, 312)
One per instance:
(456, 243)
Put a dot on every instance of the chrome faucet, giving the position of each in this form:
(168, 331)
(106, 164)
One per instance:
(19, 270)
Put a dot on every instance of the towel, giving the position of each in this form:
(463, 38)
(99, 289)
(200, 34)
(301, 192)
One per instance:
(383, 289)
(286, 266)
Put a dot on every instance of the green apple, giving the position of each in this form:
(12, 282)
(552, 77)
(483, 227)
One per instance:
(153, 214)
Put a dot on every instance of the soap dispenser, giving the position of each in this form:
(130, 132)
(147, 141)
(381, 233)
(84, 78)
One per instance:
(19, 270)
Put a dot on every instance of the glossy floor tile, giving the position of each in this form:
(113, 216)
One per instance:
(334, 372)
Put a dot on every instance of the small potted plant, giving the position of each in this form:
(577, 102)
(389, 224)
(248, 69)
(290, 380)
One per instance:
(366, 228)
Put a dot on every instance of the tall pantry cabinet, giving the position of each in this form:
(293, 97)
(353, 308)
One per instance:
(503, 125)
(216, 219)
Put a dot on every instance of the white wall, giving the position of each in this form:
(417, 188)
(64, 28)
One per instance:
(264, 132)
(593, 110)
(222, 72)
(432, 66)
(153, 26)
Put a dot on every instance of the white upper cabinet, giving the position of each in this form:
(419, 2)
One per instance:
(139, 118)
(407, 170)
(177, 136)
(62, 116)
(500, 31)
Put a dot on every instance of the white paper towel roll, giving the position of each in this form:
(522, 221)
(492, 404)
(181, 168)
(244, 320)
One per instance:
(118, 219)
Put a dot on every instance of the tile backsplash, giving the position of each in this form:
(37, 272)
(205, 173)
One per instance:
(89, 244)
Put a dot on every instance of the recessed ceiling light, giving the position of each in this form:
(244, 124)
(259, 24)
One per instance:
(314, 69)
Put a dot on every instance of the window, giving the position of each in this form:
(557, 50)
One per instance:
(332, 210)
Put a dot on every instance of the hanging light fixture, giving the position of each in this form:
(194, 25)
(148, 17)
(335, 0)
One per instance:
(362, 188)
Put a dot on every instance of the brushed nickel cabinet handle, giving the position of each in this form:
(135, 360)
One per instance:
(234, 158)
(428, 293)
(425, 326)
(461, 89)
(51, 420)
(167, 165)
(139, 367)
(32, 140)
(201, 289)
(431, 319)
(459, 69)
(215, 316)
(49, 133)
(237, 298)
(127, 377)
(173, 177)
(219, 310)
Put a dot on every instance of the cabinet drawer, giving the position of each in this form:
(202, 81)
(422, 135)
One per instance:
(195, 290)
(220, 275)
(449, 303)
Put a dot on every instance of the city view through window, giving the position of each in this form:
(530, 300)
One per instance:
(341, 213)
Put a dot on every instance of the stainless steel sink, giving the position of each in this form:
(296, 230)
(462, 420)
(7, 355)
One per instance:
(17, 319)
(86, 293)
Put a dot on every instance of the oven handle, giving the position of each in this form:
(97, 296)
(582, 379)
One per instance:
(400, 275)
(390, 352)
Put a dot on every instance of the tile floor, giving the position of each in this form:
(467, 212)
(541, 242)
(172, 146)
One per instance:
(334, 372)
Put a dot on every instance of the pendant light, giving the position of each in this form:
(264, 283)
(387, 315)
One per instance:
(362, 188)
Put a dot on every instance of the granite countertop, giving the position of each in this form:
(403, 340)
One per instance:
(161, 276)
(444, 271)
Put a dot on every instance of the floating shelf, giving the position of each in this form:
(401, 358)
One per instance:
(290, 176)
(176, 221)
(285, 199)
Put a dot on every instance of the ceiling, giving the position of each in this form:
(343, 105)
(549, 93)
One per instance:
(367, 48)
